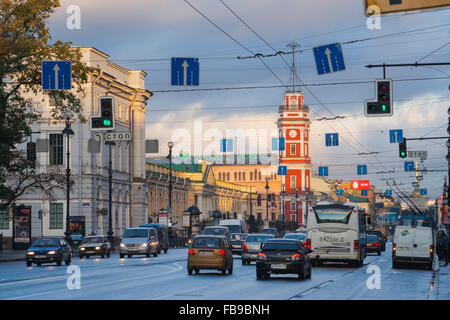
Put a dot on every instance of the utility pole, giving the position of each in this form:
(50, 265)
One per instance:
(110, 229)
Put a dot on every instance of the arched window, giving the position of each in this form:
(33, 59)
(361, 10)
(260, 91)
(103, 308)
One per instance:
(251, 175)
(243, 176)
(235, 176)
(259, 175)
(220, 176)
(240, 176)
(228, 176)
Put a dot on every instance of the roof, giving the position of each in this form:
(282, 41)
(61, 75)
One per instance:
(357, 199)
(182, 167)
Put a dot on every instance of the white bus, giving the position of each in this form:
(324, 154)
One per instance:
(336, 233)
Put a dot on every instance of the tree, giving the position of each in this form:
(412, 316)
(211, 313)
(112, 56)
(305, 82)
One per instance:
(24, 44)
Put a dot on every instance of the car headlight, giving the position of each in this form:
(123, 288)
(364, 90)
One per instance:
(97, 248)
(144, 245)
(154, 243)
(30, 253)
(52, 252)
(122, 245)
(82, 248)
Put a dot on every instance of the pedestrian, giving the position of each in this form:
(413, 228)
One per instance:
(444, 243)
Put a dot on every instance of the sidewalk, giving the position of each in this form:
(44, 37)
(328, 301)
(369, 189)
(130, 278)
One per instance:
(444, 283)
(12, 255)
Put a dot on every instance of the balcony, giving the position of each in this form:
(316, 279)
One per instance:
(304, 108)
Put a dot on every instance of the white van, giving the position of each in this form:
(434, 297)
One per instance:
(414, 244)
(234, 225)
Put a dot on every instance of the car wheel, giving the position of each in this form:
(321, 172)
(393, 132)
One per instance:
(155, 254)
(81, 256)
(197, 270)
(309, 272)
(394, 265)
(379, 253)
(29, 263)
(121, 255)
(102, 255)
(87, 257)
(38, 264)
(69, 260)
(147, 254)
(244, 262)
(259, 275)
(190, 271)
(224, 271)
(267, 276)
(130, 255)
(302, 274)
(230, 270)
(59, 261)
(109, 253)
(166, 250)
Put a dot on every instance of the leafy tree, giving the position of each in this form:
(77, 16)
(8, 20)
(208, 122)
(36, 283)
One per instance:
(24, 44)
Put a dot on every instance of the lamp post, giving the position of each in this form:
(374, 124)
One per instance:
(110, 228)
(296, 204)
(267, 199)
(68, 132)
(282, 193)
(170, 145)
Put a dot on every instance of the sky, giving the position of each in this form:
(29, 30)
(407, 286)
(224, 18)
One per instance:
(146, 34)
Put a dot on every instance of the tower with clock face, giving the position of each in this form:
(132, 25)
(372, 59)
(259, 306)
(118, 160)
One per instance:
(294, 125)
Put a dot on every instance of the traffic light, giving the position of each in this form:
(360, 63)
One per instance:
(31, 151)
(402, 149)
(383, 105)
(105, 120)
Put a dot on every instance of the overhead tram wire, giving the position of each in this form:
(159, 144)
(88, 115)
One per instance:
(229, 36)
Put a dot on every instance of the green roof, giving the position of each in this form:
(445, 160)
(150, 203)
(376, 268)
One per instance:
(357, 199)
(182, 167)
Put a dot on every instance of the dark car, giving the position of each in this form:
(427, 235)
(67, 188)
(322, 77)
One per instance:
(236, 240)
(163, 235)
(270, 231)
(283, 256)
(297, 236)
(380, 236)
(373, 243)
(95, 246)
(47, 250)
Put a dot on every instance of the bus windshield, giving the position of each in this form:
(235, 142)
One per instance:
(332, 214)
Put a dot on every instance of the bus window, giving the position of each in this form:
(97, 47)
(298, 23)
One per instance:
(332, 215)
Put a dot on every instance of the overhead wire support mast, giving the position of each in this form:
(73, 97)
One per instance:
(416, 64)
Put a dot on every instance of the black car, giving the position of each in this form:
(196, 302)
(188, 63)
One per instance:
(283, 256)
(380, 236)
(49, 249)
(95, 246)
(236, 240)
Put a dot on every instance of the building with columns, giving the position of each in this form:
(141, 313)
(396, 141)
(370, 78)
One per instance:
(294, 126)
(89, 171)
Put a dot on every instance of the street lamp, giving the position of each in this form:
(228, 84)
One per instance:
(282, 193)
(68, 132)
(267, 198)
(170, 145)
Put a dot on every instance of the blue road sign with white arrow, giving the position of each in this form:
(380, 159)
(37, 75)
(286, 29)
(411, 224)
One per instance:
(331, 139)
(396, 136)
(282, 170)
(278, 144)
(185, 72)
(323, 171)
(329, 58)
(226, 145)
(409, 166)
(362, 169)
(56, 75)
(339, 192)
(388, 193)
(423, 192)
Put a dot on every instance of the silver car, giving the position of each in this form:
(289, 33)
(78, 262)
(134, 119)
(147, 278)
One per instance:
(252, 245)
(139, 241)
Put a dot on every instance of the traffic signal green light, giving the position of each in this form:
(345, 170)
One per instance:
(382, 105)
(402, 149)
(105, 120)
(107, 123)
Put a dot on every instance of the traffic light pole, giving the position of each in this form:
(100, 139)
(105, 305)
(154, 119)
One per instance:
(110, 230)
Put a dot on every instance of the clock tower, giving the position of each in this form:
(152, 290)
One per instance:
(294, 126)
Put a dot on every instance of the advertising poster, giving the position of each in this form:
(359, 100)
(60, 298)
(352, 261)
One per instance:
(22, 227)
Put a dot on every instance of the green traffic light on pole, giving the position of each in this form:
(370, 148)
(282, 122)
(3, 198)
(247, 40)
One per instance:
(107, 123)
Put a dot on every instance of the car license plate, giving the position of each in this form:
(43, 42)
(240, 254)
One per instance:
(236, 246)
(41, 257)
(205, 253)
(278, 266)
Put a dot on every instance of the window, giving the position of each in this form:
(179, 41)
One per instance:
(240, 176)
(127, 114)
(220, 176)
(293, 149)
(293, 182)
(293, 206)
(251, 175)
(4, 219)
(294, 217)
(119, 112)
(56, 149)
(228, 176)
(259, 175)
(235, 176)
(56, 216)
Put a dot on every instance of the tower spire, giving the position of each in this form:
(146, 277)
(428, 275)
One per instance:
(293, 45)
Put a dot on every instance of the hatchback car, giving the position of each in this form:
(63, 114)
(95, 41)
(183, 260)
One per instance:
(373, 244)
(283, 256)
(210, 252)
(252, 245)
(236, 240)
(95, 246)
(49, 249)
(380, 236)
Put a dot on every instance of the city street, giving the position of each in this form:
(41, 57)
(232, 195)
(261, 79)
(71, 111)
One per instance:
(165, 277)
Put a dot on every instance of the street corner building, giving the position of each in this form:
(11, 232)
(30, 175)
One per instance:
(88, 161)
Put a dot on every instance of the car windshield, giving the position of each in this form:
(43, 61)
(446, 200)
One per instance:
(279, 246)
(135, 233)
(209, 243)
(46, 242)
(92, 240)
(372, 238)
(234, 228)
(298, 236)
(332, 214)
(258, 238)
(237, 236)
(214, 231)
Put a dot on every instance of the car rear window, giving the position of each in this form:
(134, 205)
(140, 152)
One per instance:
(372, 237)
(298, 236)
(237, 236)
(258, 238)
(214, 231)
(210, 243)
(280, 246)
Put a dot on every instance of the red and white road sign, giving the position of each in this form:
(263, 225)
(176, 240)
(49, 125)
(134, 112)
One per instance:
(360, 184)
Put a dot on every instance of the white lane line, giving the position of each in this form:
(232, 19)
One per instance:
(173, 270)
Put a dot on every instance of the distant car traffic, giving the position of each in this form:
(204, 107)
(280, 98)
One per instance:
(236, 240)
(139, 241)
(297, 236)
(374, 243)
(270, 231)
(49, 249)
(283, 256)
(95, 246)
(380, 236)
(210, 252)
(252, 245)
